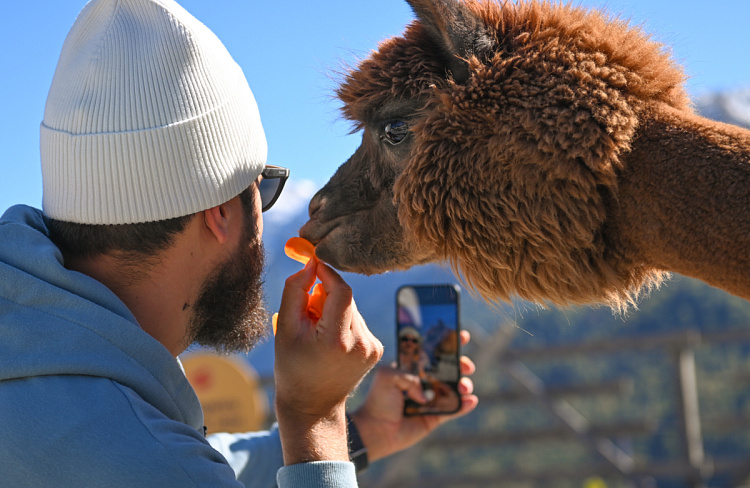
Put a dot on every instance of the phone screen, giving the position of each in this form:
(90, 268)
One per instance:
(427, 334)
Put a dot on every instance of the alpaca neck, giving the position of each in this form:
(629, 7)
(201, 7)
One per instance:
(684, 199)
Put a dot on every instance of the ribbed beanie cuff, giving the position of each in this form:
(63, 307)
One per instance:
(148, 118)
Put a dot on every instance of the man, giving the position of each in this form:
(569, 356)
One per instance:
(153, 163)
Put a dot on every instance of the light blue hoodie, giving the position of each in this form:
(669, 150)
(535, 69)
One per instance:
(88, 399)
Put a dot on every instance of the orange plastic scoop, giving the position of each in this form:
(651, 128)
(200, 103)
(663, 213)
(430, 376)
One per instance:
(303, 251)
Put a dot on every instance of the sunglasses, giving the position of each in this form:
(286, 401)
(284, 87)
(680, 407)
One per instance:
(409, 339)
(272, 181)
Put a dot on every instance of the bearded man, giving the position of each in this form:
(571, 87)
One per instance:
(155, 180)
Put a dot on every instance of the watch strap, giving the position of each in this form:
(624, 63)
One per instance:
(357, 449)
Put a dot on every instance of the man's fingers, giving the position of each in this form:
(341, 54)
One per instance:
(295, 295)
(465, 386)
(468, 404)
(465, 337)
(340, 323)
(338, 304)
(467, 366)
(303, 280)
(411, 385)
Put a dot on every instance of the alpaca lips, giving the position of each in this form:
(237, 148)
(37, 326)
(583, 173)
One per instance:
(303, 251)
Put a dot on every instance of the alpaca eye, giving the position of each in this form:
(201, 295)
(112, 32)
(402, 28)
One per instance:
(396, 131)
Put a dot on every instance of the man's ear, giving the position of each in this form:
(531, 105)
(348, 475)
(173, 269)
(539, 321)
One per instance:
(216, 220)
(456, 30)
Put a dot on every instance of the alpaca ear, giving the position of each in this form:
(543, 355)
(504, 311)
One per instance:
(456, 30)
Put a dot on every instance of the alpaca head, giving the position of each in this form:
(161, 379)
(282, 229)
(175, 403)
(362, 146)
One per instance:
(492, 138)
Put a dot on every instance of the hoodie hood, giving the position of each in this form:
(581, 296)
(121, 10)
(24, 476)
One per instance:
(54, 321)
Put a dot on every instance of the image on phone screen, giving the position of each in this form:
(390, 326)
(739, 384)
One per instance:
(427, 334)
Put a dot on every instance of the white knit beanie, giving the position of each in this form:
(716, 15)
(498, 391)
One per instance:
(148, 118)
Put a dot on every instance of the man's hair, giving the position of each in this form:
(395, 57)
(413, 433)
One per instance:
(142, 239)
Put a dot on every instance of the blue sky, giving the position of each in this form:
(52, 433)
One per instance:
(290, 52)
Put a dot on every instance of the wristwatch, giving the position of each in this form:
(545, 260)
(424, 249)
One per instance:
(357, 449)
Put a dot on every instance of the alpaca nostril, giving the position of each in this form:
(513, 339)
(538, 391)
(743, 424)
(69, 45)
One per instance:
(316, 204)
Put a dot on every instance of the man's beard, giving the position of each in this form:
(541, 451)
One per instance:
(230, 314)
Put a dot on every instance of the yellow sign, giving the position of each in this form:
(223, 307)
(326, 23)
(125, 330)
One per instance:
(594, 482)
(229, 392)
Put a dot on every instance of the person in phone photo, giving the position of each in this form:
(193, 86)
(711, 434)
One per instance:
(412, 357)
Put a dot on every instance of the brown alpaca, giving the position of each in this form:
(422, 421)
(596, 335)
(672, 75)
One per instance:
(543, 150)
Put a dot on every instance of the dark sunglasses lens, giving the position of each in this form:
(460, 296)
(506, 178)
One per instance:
(269, 188)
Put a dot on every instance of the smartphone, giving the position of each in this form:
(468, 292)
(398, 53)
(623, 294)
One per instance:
(429, 346)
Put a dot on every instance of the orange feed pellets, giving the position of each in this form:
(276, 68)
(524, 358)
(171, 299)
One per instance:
(299, 249)
(303, 251)
(315, 304)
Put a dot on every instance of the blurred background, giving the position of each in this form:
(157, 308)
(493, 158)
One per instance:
(582, 397)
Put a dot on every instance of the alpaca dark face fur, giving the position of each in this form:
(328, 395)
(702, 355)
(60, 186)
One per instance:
(354, 219)
(543, 151)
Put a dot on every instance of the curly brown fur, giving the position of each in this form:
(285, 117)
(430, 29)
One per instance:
(542, 123)
(522, 118)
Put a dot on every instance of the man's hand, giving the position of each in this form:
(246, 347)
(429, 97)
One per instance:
(380, 420)
(318, 365)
